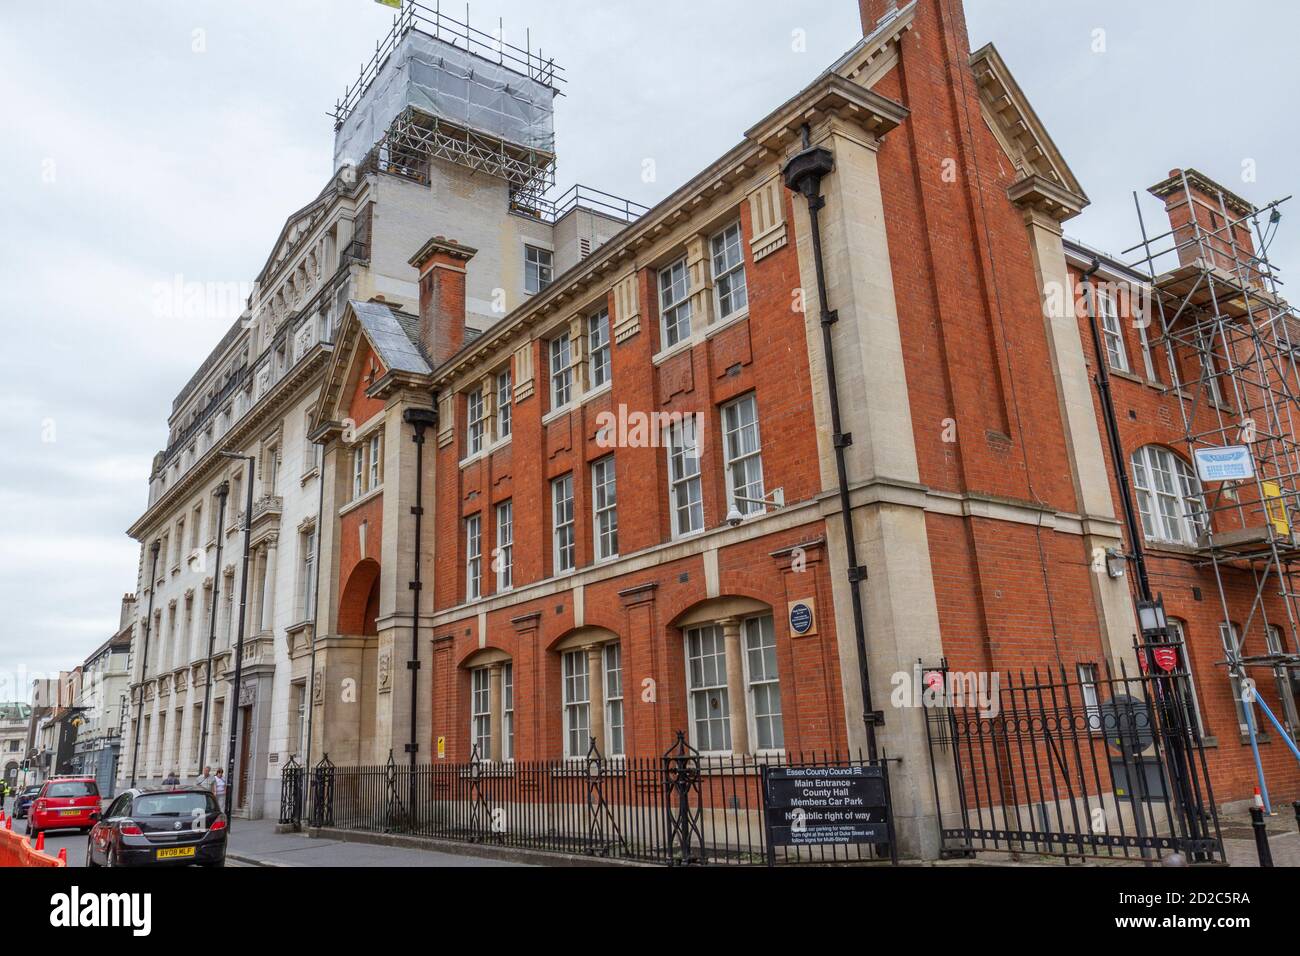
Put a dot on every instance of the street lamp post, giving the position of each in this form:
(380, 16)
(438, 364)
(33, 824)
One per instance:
(239, 644)
(223, 492)
(144, 659)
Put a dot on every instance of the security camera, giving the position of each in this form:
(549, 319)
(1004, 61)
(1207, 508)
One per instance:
(735, 518)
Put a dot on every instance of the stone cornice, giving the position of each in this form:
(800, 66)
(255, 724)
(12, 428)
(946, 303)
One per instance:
(1198, 180)
(297, 378)
(830, 95)
(1038, 194)
(1021, 133)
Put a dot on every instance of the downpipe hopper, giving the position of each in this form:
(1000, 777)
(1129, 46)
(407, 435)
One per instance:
(805, 170)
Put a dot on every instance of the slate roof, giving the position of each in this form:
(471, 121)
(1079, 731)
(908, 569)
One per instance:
(395, 336)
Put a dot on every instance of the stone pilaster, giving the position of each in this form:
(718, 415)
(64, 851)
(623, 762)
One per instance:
(901, 612)
(736, 696)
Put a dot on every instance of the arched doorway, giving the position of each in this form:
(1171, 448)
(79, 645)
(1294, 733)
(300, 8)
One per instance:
(359, 606)
(359, 618)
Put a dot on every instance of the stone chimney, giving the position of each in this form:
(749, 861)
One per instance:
(442, 264)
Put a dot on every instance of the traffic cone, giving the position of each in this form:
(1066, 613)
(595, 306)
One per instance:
(63, 856)
(9, 823)
(1259, 799)
(40, 841)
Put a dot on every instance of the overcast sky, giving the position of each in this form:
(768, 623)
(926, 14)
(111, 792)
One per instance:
(161, 139)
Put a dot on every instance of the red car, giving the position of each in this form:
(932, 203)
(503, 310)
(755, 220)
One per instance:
(64, 803)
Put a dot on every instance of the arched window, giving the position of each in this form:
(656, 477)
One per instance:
(1168, 496)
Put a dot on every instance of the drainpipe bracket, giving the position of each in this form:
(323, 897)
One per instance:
(412, 748)
(875, 719)
(857, 575)
(412, 665)
(844, 441)
(830, 317)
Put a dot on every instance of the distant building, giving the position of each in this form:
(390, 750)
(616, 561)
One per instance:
(104, 686)
(13, 738)
(50, 734)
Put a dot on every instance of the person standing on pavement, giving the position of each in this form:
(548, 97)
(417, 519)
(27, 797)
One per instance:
(219, 786)
(173, 779)
(205, 781)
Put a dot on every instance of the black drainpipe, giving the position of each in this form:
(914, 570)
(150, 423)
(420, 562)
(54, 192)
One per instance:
(1118, 460)
(420, 419)
(144, 657)
(315, 614)
(803, 174)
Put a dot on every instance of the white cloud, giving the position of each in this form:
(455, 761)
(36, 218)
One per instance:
(170, 162)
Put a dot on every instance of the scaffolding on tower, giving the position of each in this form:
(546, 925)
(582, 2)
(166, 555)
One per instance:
(438, 88)
(1232, 342)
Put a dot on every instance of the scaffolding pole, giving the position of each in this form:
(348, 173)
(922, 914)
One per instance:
(1232, 344)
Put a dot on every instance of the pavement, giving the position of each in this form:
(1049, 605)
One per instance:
(1239, 837)
(256, 843)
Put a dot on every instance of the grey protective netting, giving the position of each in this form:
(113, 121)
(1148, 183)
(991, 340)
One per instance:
(439, 78)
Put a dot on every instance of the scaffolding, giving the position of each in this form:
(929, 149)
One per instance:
(437, 88)
(1233, 343)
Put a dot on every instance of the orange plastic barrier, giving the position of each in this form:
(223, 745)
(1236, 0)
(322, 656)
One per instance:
(15, 850)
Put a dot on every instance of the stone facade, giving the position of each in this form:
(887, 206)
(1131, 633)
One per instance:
(253, 397)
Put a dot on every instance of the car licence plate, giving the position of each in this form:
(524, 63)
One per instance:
(177, 853)
(70, 813)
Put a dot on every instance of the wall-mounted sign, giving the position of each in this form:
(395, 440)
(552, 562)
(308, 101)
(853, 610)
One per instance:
(803, 618)
(442, 748)
(1233, 463)
(827, 806)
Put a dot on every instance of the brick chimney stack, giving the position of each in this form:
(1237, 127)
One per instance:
(128, 611)
(945, 20)
(1207, 222)
(442, 264)
(873, 11)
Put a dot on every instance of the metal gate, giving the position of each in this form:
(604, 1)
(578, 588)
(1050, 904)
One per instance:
(1089, 764)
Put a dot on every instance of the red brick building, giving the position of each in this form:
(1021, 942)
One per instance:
(629, 519)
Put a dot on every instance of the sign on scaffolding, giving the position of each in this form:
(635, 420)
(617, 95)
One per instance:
(1233, 463)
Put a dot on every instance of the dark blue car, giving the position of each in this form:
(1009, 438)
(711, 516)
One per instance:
(24, 800)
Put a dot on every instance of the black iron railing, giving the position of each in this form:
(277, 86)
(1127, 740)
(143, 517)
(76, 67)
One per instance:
(678, 809)
(1082, 764)
(293, 786)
